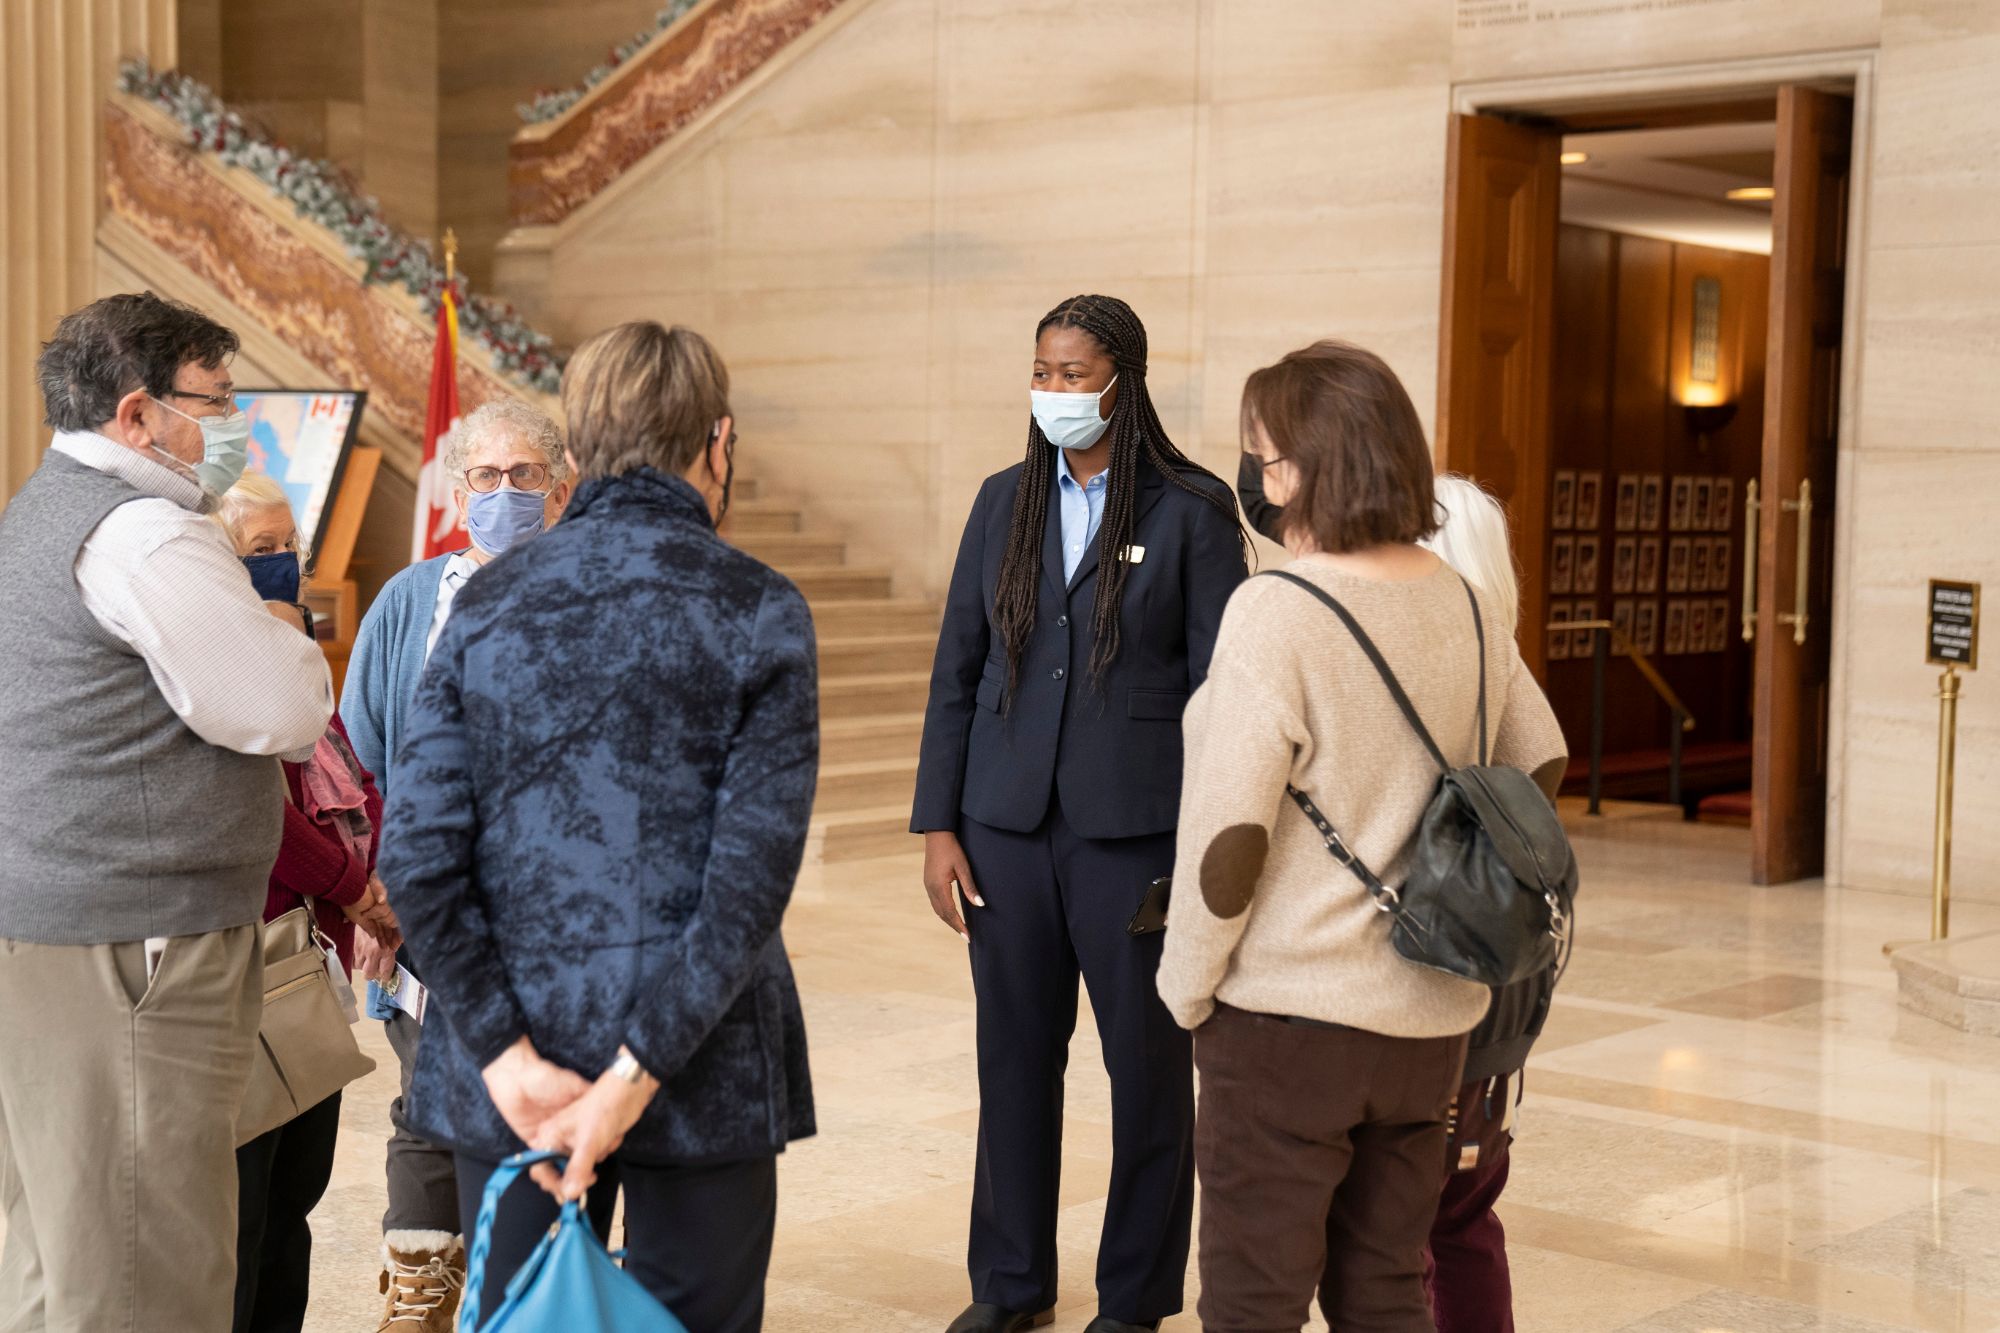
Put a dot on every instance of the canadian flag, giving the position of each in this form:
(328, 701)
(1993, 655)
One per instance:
(436, 529)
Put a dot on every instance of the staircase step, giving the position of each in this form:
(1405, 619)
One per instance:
(872, 695)
(853, 835)
(863, 616)
(877, 653)
(790, 552)
(841, 583)
(869, 784)
(849, 740)
(762, 516)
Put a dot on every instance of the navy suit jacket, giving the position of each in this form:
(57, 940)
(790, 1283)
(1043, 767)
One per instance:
(597, 815)
(1109, 751)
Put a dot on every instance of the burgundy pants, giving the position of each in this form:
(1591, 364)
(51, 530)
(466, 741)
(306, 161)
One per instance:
(1465, 1270)
(1318, 1150)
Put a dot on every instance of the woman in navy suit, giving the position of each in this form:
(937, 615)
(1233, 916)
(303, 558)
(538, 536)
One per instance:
(598, 812)
(1082, 612)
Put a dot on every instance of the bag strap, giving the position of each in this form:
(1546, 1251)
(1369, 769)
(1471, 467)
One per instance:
(503, 1176)
(1381, 664)
(1479, 633)
(1386, 899)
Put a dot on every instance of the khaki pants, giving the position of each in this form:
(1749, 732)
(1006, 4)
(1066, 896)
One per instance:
(118, 1104)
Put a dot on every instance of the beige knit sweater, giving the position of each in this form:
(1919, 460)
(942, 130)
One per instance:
(1262, 918)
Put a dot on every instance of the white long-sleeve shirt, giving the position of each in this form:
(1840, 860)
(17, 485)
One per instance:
(163, 579)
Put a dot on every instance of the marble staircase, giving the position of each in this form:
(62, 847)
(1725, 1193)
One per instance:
(874, 658)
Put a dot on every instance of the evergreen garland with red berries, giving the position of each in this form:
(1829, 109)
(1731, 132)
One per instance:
(552, 102)
(323, 194)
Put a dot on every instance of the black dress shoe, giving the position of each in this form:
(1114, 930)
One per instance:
(1106, 1324)
(979, 1317)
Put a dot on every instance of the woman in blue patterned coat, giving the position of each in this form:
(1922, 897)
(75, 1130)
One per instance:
(597, 814)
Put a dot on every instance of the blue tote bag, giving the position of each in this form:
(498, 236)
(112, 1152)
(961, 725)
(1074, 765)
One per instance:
(568, 1285)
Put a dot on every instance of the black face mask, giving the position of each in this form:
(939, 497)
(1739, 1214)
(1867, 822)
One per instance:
(275, 576)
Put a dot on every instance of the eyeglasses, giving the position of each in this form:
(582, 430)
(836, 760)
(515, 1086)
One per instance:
(1264, 464)
(224, 402)
(525, 476)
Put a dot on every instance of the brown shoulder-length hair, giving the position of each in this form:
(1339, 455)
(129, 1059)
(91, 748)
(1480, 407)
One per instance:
(1343, 419)
(639, 395)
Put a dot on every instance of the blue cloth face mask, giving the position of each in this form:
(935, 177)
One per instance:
(274, 575)
(225, 449)
(1071, 420)
(502, 519)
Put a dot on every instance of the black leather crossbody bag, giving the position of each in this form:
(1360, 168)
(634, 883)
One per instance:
(1492, 880)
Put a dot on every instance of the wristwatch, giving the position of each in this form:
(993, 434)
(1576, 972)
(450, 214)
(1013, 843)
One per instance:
(627, 1067)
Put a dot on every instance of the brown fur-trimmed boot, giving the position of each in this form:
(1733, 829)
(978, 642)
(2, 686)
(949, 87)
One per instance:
(423, 1276)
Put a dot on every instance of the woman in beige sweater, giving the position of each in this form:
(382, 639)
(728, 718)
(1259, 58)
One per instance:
(1327, 1062)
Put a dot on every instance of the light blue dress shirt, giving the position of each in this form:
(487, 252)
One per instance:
(1082, 512)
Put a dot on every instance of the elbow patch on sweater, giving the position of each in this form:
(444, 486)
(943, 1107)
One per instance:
(1230, 869)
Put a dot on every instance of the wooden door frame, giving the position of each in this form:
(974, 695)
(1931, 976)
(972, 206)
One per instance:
(1853, 73)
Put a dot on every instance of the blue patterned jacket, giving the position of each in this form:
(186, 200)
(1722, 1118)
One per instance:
(596, 816)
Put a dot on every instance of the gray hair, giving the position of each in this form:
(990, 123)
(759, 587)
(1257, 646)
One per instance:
(510, 417)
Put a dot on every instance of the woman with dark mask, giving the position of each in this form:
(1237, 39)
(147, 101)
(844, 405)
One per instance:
(333, 817)
(1082, 612)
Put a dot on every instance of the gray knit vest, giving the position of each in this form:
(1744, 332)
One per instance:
(121, 823)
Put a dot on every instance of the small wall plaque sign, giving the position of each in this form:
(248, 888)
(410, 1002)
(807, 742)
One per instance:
(1953, 624)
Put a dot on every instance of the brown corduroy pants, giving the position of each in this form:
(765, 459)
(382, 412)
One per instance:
(1318, 1150)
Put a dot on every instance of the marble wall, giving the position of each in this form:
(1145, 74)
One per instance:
(872, 230)
(1921, 475)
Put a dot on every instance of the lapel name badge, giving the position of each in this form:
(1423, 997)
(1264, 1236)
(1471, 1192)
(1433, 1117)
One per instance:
(1134, 555)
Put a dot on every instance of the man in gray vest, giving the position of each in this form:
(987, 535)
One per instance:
(148, 697)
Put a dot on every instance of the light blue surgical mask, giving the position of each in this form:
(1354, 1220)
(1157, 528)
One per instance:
(1070, 420)
(225, 448)
(502, 519)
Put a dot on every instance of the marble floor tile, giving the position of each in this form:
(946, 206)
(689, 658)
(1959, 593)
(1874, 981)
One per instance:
(1733, 1312)
(1951, 1243)
(1760, 997)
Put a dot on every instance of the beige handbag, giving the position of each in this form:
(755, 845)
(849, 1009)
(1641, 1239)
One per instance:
(305, 1049)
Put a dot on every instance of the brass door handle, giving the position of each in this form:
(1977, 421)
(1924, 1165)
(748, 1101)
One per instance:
(1750, 561)
(1802, 506)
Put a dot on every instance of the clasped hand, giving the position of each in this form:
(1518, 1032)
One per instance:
(372, 913)
(553, 1109)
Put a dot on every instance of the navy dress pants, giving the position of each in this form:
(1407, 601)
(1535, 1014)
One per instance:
(1056, 905)
(697, 1237)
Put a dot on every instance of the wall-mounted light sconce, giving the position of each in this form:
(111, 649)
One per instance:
(1704, 419)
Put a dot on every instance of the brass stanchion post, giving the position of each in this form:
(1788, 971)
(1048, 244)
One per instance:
(1941, 851)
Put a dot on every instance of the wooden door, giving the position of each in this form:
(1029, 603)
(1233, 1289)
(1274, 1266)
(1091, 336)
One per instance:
(1795, 506)
(1496, 334)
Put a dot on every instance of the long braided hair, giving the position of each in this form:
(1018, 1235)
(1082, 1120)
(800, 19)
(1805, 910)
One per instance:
(1135, 431)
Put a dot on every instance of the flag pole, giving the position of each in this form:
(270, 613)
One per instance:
(450, 255)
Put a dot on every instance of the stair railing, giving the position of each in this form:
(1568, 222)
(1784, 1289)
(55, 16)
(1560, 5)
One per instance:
(1604, 636)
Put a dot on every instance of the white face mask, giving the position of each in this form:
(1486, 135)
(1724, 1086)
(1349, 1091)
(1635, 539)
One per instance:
(1071, 420)
(225, 448)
